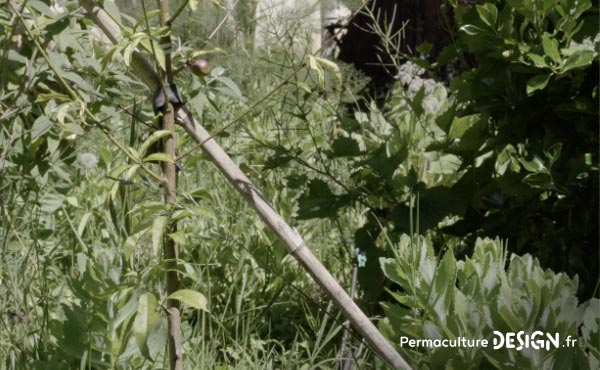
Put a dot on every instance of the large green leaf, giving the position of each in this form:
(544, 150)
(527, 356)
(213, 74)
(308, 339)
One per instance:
(144, 320)
(191, 298)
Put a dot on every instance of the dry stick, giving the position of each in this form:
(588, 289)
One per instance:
(290, 237)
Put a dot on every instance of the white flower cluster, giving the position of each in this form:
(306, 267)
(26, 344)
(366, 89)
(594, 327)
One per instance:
(409, 74)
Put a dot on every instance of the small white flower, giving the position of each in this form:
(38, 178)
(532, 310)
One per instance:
(404, 78)
(57, 9)
(87, 160)
(415, 85)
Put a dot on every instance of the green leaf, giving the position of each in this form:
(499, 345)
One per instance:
(83, 223)
(471, 30)
(158, 229)
(550, 45)
(156, 136)
(488, 14)
(179, 237)
(112, 9)
(52, 202)
(144, 320)
(204, 212)
(443, 288)
(318, 201)
(578, 59)
(345, 147)
(230, 88)
(191, 298)
(393, 271)
(539, 180)
(424, 48)
(331, 66)
(507, 159)
(460, 125)
(160, 157)
(537, 82)
(160, 56)
(157, 340)
(537, 60)
(41, 126)
(41, 7)
(533, 165)
(552, 154)
(315, 66)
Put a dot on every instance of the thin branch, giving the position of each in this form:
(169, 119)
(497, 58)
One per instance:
(229, 12)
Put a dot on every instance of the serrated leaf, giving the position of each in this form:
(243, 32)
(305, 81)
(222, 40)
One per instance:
(51, 202)
(191, 298)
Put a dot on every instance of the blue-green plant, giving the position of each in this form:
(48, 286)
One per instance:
(440, 297)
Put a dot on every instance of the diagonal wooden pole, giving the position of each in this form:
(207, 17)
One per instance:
(290, 237)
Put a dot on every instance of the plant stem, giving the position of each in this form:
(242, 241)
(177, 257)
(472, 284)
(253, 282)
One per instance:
(170, 248)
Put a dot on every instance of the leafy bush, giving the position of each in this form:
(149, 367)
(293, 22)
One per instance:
(442, 298)
(508, 147)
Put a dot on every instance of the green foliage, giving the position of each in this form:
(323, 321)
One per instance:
(442, 298)
(82, 224)
(535, 77)
(507, 148)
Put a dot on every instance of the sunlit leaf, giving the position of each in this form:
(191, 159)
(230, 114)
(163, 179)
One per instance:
(191, 298)
(537, 82)
(144, 320)
(160, 157)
